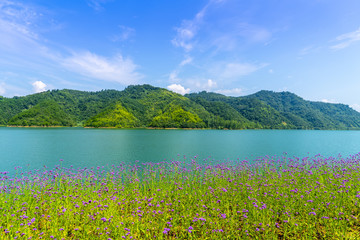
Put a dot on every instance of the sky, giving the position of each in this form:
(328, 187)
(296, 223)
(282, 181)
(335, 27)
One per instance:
(232, 47)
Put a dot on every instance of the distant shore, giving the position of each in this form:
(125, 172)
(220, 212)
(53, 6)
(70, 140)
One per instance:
(159, 128)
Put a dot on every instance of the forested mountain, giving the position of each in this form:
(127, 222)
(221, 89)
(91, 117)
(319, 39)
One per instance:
(318, 115)
(148, 106)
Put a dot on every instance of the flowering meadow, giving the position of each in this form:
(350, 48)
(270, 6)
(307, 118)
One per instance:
(268, 198)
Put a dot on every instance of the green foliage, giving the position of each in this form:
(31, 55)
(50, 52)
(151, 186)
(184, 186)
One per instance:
(310, 115)
(267, 198)
(286, 110)
(261, 113)
(115, 116)
(46, 113)
(146, 102)
(176, 117)
(145, 106)
(223, 116)
(247, 113)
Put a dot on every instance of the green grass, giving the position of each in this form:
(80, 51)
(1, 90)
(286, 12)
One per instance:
(271, 198)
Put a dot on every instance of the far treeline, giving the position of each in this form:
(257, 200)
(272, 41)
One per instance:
(147, 106)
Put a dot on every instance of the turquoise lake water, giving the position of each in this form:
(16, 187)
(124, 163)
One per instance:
(32, 148)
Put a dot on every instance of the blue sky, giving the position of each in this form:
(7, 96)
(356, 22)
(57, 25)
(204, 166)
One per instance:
(234, 47)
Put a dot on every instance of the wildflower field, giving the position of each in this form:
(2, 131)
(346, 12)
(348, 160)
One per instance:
(268, 198)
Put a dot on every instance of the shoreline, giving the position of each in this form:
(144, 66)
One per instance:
(159, 128)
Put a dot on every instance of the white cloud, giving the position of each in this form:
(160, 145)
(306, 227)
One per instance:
(325, 101)
(211, 83)
(345, 40)
(236, 70)
(252, 32)
(305, 50)
(184, 36)
(271, 71)
(186, 61)
(328, 101)
(208, 40)
(97, 4)
(202, 84)
(20, 43)
(39, 86)
(356, 107)
(173, 76)
(125, 34)
(116, 69)
(178, 89)
(2, 88)
(16, 21)
(231, 92)
(23, 47)
(188, 30)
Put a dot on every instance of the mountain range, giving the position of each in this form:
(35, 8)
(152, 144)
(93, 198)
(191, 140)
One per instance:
(147, 106)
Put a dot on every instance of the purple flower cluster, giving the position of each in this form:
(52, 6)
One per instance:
(161, 199)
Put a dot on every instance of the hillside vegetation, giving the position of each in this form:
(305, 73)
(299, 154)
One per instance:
(148, 106)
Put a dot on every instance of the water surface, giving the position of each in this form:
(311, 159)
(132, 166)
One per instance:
(34, 147)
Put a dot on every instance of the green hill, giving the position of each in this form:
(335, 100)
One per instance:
(307, 114)
(148, 106)
(114, 116)
(46, 113)
(250, 113)
(147, 102)
(174, 116)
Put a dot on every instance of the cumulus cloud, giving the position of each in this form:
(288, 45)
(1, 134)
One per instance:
(208, 85)
(116, 69)
(345, 40)
(39, 86)
(201, 84)
(211, 84)
(178, 89)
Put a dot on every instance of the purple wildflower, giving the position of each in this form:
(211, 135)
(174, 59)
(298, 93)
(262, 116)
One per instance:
(166, 230)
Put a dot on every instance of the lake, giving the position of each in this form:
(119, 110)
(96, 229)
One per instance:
(32, 148)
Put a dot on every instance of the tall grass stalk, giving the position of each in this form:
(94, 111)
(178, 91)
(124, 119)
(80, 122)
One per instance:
(270, 198)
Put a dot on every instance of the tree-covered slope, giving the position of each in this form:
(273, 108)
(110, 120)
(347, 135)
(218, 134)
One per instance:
(148, 106)
(307, 114)
(115, 116)
(147, 102)
(250, 113)
(286, 110)
(45, 113)
(174, 116)
(78, 105)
